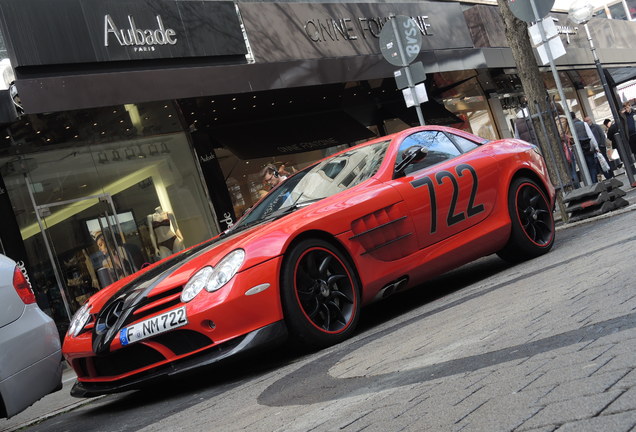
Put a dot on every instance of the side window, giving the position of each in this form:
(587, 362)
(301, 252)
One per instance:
(465, 144)
(439, 146)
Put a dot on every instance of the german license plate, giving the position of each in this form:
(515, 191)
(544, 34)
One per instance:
(153, 326)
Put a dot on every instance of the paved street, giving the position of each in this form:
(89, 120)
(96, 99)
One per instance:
(542, 346)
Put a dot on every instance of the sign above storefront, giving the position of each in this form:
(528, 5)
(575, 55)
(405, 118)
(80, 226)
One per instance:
(291, 31)
(45, 32)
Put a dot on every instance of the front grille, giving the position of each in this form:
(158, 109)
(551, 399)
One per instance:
(139, 355)
(126, 360)
(183, 341)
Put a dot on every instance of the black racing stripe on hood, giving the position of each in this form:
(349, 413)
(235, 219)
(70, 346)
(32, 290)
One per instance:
(146, 282)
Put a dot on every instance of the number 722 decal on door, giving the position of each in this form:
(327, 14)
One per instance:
(451, 218)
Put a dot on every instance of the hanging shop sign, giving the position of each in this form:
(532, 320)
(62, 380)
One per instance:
(318, 30)
(45, 32)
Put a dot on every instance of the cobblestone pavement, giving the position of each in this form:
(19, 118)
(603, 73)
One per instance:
(547, 345)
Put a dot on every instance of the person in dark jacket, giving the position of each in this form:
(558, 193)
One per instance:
(523, 127)
(628, 114)
(589, 146)
(601, 139)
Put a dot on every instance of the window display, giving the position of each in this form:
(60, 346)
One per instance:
(106, 206)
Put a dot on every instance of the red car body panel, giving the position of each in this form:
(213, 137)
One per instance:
(409, 228)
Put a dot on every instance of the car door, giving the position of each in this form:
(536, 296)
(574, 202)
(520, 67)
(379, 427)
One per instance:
(451, 189)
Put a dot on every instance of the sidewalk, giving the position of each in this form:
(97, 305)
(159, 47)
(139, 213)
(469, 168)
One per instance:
(62, 401)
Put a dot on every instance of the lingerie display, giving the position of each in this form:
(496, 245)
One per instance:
(164, 233)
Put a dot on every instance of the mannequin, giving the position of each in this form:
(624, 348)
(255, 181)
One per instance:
(164, 233)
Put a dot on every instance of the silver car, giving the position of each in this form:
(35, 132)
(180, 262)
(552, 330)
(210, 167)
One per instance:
(30, 354)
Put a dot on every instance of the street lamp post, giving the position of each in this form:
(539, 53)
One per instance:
(580, 13)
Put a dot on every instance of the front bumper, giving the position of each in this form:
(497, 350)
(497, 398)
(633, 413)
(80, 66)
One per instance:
(269, 335)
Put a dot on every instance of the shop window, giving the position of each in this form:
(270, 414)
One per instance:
(115, 188)
(245, 182)
(467, 101)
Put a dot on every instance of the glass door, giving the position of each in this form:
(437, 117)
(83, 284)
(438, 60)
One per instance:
(86, 242)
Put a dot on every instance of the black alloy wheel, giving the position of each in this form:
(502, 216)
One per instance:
(534, 214)
(532, 223)
(320, 294)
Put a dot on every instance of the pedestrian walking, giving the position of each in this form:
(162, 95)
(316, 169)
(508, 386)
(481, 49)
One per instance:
(588, 145)
(601, 139)
(566, 143)
(628, 113)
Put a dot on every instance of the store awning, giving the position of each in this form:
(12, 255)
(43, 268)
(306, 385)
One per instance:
(623, 74)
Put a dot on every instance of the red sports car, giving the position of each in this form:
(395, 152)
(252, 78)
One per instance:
(355, 227)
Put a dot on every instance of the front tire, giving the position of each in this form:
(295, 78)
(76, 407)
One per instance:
(533, 230)
(320, 294)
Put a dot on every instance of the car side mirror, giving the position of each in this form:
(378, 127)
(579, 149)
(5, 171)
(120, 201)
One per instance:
(411, 155)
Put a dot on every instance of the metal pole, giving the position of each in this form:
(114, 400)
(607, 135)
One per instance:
(587, 179)
(622, 151)
(409, 78)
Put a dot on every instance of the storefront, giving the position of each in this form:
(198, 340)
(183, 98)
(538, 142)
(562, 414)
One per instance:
(141, 129)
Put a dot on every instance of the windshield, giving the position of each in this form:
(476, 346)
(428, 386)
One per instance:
(316, 182)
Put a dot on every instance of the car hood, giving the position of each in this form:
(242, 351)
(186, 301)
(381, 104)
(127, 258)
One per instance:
(261, 243)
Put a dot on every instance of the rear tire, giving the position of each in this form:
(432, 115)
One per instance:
(320, 294)
(533, 230)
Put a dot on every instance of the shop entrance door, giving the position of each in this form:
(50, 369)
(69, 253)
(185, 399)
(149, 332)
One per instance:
(86, 245)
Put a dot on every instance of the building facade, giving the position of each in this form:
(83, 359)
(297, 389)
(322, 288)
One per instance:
(134, 129)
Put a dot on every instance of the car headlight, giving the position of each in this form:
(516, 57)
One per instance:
(196, 284)
(79, 320)
(213, 278)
